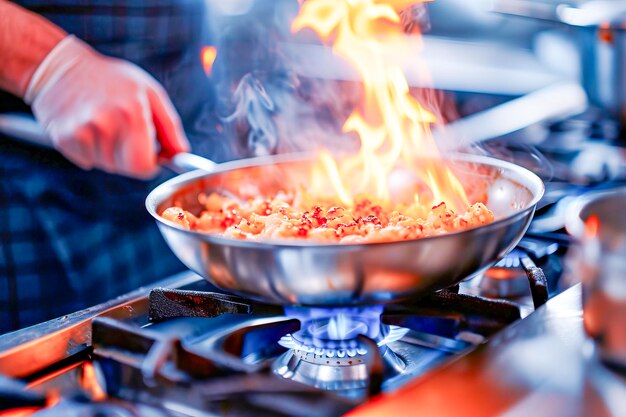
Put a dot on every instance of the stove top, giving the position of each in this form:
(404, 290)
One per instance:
(185, 350)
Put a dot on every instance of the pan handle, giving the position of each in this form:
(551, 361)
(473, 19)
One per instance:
(185, 161)
(24, 128)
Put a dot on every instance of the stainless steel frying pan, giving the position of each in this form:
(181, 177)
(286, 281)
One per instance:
(308, 273)
(319, 274)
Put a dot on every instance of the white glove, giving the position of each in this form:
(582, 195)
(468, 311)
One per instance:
(102, 112)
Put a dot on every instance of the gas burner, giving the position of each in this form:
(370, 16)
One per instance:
(354, 349)
(333, 331)
(328, 351)
(291, 342)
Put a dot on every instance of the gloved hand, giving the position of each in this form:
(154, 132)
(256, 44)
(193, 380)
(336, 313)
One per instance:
(102, 112)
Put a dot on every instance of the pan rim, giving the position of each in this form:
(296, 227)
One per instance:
(161, 192)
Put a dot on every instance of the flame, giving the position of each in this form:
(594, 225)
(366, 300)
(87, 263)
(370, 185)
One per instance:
(393, 127)
(592, 224)
(52, 398)
(208, 55)
(20, 412)
(89, 382)
(339, 327)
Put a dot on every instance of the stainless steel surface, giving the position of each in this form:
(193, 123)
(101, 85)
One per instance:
(593, 13)
(24, 127)
(185, 162)
(298, 366)
(405, 354)
(539, 366)
(527, 8)
(308, 273)
(32, 349)
(608, 206)
(553, 102)
(603, 63)
(455, 65)
(601, 39)
(599, 262)
(577, 13)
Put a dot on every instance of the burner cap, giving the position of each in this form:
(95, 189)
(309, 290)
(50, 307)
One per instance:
(327, 353)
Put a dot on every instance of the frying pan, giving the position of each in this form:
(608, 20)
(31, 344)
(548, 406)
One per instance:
(320, 274)
(317, 274)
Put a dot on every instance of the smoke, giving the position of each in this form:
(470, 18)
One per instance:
(415, 18)
(273, 97)
(263, 103)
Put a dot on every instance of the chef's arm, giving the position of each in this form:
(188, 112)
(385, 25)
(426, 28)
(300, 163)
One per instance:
(25, 40)
(98, 111)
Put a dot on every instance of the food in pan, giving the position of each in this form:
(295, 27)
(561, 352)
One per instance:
(393, 124)
(297, 216)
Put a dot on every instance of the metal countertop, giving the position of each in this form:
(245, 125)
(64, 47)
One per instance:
(540, 366)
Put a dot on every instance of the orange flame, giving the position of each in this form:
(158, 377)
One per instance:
(20, 412)
(89, 382)
(592, 224)
(52, 398)
(208, 55)
(393, 127)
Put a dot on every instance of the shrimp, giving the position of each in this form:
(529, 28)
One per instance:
(300, 216)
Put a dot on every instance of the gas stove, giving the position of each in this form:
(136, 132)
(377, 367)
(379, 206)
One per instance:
(184, 349)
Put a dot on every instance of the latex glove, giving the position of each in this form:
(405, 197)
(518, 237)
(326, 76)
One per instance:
(102, 112)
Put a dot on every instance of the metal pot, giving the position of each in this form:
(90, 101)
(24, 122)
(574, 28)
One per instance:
(600, 27)
(603, 64)
(599, 261)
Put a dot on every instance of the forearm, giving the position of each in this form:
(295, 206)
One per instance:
(25, 40)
